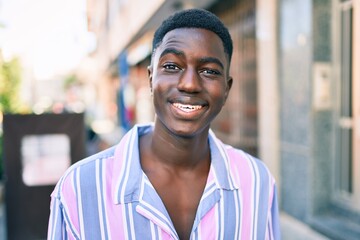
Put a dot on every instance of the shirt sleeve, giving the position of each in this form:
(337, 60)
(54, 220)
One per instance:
(57, 228)
(274, 221)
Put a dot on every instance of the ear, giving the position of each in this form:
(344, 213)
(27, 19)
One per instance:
(149, 69)
(228, 87)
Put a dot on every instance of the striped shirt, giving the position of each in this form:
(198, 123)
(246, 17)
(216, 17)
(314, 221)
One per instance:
(108, 196)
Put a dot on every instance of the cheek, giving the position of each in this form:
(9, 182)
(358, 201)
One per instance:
(159, 95)
(219, 94)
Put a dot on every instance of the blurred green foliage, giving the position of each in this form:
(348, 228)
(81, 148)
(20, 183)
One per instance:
(10, 80)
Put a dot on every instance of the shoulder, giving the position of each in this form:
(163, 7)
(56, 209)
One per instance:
(91, 160)
(85, 166)
(244, 164)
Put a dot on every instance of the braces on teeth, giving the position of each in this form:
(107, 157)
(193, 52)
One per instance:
(187, 107)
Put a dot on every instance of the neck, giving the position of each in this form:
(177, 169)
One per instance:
(175, 151)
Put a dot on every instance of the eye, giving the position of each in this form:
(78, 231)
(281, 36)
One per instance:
(211, 72)
(171, 67)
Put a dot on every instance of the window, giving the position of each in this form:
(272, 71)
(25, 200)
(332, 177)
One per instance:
(347, 163)
(45, 158)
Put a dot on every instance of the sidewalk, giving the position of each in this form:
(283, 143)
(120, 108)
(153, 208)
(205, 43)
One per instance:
(293, 229)
(2, 220)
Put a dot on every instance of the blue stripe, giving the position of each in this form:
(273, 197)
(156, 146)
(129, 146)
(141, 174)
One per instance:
(56, 222)
(132, 167)
(263, 200)
(127, 165)
(229, 214)
(102, 198)
(219, 222)
(89, 203)
(275, 216)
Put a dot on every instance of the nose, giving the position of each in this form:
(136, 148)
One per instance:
(190, 81)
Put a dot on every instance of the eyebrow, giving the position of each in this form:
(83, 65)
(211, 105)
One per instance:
(172, 51)
(212, 60)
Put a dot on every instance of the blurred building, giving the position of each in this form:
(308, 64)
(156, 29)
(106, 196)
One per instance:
(294, 102)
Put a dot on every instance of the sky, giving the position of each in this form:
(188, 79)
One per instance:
(50, 36)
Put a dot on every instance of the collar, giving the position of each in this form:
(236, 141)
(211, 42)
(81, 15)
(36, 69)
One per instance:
(128, 176)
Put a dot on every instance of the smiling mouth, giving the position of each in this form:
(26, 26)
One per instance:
(187, 107)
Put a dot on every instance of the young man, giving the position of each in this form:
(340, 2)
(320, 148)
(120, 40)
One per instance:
(173, 179)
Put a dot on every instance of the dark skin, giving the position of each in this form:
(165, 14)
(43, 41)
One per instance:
(190, 82)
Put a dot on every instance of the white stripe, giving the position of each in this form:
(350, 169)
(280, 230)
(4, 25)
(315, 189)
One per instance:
(269, 234)
(152, 229)
(241, 210)
(124, 220)
(161, 223)
(257, 189)
(198, 232)
(162, 216)
(99, 197)
(131, 220)
(81, 217)
(210, 188)
(159, 233)
(103, 182)
(222, 211)
(237, 223)
(216, 221)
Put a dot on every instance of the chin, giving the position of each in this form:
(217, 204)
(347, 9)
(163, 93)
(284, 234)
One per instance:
(186, 131)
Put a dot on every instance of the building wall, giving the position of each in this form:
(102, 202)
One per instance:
(295, 105)
(309, 102)
(237, 123)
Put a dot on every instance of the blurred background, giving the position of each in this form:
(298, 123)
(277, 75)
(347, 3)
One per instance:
(73, 80)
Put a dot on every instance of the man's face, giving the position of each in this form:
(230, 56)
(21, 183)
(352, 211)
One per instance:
(189, 80)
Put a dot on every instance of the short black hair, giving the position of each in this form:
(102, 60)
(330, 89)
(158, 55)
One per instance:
(194, 18)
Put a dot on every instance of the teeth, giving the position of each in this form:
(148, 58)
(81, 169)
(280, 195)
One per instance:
(187, 107)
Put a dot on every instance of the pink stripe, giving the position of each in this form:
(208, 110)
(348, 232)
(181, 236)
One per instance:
(114, 216)
(113, 212)
(165, 235)
(234, 164)
(71, 201)
(119, 162)
(243, 171)
(209, 219)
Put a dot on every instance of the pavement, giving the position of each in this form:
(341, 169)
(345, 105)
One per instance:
(2, 220)
(293, 229)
